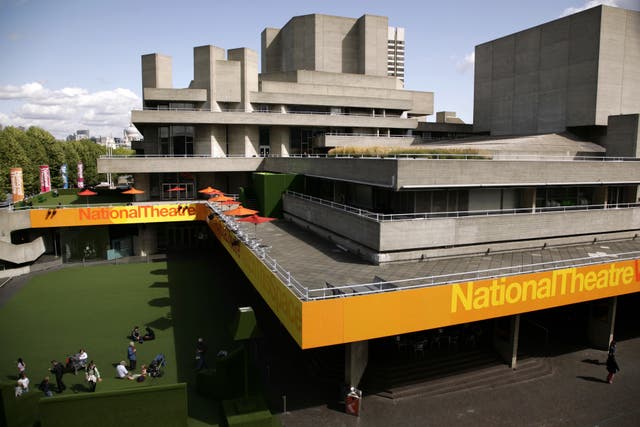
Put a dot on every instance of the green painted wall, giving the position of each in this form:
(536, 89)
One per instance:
(269, 187)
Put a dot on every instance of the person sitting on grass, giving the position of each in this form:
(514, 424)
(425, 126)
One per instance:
(45, 387)
(122, 372)
(22, 386)
(149, 334)
(135, 334)
(143, 374)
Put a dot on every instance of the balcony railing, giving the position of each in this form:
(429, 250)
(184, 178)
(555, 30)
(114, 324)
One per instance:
(447, 279)
(260, 111)
(456, 214)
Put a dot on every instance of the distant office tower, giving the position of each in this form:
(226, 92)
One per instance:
(395, 52)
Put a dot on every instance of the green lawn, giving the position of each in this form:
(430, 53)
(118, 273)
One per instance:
(95, 308)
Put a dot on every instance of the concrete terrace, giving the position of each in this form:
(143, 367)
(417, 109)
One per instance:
(314, 261)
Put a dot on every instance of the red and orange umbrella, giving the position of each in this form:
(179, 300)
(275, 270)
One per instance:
(256, 219)
(176, 189)
(86, 192)
(240, 211)
(210, 191)
(133, 191)
(223, 199)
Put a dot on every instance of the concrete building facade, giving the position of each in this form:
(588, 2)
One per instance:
(571, 73)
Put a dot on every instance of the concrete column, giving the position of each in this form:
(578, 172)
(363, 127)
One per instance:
(243, 140)
(146, 242)
(506, 335)
(248, 74)
(600, 196)
(529, 198)
(204, 72)
(142, 181)
(210, 140)
(156, 71)
(602, 319)
(355, 362)
(279, 139)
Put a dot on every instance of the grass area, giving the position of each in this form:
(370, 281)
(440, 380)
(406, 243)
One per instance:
(95, 308)
(69, 197)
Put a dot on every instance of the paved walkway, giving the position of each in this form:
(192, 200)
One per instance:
(576, 394)
(315, 261)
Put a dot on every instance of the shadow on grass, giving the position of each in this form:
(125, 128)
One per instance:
(161, 323)
(159, 285)
(160, 302)
(160, 271)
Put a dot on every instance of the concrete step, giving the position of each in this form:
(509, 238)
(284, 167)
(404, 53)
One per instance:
(489, 377)
(406, 372)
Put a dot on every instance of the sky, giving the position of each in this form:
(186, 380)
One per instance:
(75, 64)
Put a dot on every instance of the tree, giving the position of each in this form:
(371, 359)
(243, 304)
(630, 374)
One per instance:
(13, 155)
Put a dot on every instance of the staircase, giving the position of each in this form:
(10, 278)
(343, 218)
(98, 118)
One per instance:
(445, 374)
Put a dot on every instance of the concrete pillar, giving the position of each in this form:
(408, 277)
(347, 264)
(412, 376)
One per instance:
(142, 181)
(600, 196)
(204, 72)
(529, 198)
(210, 140)
(156, 71)
(248, 74)
(243, 140)
(280, 139)
(602, 319)
(355, 362)
(506, 334)
(146, 242)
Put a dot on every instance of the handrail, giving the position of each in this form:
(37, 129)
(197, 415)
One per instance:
(284, 275)
(259, 111)
(446, 279)
(457, 214)
(406, 156)
(329, 292)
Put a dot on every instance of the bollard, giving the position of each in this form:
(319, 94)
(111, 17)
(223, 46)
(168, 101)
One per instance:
(284, 403)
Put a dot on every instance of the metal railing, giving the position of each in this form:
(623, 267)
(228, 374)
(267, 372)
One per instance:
(261, 111)
(379, 217)
(260, 252)
(342, 291)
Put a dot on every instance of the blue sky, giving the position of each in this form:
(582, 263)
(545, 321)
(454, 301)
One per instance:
(75, 64)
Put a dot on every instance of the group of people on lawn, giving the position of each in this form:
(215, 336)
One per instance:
(92, 374)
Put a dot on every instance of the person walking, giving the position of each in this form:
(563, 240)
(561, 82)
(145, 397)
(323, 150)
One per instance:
(21, 366)
(612, 367)
(612, 347)
(131, 355)
(201, 352)
(58, 370)
(93, 376)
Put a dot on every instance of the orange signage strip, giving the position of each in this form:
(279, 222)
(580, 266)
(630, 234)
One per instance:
(341, 320)
(285, 305)
(136, 214)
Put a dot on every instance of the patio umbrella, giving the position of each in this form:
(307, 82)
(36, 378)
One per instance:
(240, 211)
(176, 189)
(210, 191)
(87, 193)
(256, 219)
(223, 199)
(133, 191)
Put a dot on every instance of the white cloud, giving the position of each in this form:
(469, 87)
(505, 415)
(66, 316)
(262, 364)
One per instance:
(589, 4)
(466, 63)
(63, 111)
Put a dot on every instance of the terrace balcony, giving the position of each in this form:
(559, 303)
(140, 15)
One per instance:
(390, 237)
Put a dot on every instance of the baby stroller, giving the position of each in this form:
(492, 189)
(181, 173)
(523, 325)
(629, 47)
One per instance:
(156, 365)
(74, 363)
